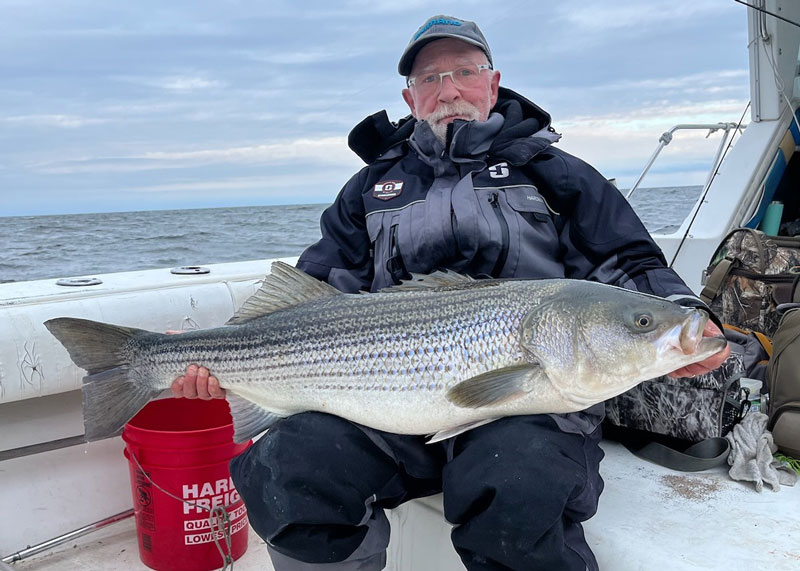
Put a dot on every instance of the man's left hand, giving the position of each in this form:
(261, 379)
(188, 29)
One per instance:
(709, 364)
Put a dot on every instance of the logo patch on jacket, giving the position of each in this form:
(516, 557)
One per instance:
(500, 170)
(387, 189)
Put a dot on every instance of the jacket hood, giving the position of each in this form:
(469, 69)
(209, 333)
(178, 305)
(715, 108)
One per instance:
(376, 134)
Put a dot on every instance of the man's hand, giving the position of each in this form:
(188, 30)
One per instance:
(711, 363)
(196, 383)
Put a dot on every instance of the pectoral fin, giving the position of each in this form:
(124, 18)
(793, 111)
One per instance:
(495, 387)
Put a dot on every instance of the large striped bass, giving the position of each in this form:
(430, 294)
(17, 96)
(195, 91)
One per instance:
(437, 355)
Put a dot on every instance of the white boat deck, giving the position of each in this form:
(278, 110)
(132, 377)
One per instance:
(650, 518)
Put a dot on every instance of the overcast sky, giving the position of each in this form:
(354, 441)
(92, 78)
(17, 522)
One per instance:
(114, 106)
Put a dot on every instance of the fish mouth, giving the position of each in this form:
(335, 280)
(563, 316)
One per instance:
(712, 345)
(692, 331)
(687, 336)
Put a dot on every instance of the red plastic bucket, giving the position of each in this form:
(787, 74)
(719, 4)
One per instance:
(184, 446)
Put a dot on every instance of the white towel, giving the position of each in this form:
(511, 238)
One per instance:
(751, 457)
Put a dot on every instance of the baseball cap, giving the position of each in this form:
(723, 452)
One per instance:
(439, 27)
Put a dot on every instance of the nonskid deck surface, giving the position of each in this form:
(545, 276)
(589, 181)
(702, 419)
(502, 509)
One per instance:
(649, 518)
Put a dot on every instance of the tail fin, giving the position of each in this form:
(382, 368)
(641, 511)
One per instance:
(111, 395)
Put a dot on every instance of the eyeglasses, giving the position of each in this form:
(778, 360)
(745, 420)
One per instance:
(464, 77)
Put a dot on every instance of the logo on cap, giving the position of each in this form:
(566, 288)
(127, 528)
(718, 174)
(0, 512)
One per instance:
(435, 22)
(387, 189)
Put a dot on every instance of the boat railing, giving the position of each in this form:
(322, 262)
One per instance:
(666, 139)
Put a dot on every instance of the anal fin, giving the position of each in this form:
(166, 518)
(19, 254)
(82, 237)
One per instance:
(249, 418)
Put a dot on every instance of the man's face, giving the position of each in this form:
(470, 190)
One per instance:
(450, 102)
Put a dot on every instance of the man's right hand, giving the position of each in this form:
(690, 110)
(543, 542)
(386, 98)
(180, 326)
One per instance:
(197, 383)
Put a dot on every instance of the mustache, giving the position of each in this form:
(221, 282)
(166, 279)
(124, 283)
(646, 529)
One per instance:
(456, 108)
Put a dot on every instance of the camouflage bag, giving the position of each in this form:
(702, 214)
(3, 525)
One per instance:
(681, 423)
(750, 274)
(690, 409)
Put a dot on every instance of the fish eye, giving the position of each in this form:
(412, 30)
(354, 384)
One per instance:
(643, 320)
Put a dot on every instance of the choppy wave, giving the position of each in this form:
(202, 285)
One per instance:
(42, 247)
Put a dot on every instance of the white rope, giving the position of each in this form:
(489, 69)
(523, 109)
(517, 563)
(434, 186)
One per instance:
(218, 519)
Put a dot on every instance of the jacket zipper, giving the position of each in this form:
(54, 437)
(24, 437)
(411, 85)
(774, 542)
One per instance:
(448, 139)
(494, 200)
(394, 264)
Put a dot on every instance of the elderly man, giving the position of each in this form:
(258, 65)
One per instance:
(469, 182)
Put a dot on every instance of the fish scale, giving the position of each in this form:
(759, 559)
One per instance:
(437, 355)
(328, 350)
(464, 338)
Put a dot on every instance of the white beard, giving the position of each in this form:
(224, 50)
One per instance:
(467, 111)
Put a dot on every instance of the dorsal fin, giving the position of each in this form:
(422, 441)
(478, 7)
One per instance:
(437, 279)
(285, 286)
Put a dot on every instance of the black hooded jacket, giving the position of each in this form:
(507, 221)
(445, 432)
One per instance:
(500, 201)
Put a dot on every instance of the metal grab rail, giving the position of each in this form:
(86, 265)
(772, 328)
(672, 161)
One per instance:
(666, 139)
(75, 534)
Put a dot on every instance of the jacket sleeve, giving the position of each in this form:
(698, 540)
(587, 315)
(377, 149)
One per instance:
(342, 256)
(604, 240)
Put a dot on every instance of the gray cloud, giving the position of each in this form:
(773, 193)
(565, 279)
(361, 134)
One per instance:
(115, 97)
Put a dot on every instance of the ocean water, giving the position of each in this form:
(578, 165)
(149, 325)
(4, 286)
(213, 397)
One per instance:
(40, 247)
(43, 247)
(662, 210)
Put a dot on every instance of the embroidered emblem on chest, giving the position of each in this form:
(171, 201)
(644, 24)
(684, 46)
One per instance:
(500, 170)
(387, 189)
